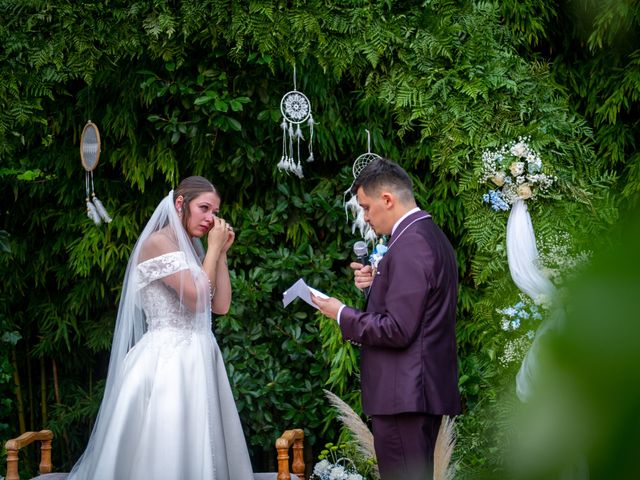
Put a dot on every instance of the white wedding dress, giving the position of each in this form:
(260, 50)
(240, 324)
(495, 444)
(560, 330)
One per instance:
(173, 415)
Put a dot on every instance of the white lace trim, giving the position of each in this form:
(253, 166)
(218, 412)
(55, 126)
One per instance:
(160, 267)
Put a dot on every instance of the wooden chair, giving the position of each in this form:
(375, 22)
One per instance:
(290, 439)
(46, 438)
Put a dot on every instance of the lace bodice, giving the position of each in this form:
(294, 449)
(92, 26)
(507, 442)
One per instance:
(161, 304)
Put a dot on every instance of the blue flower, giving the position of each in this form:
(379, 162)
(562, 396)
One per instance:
(378, 252)
(495, 199)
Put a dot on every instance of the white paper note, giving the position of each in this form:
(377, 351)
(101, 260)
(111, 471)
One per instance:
(302, 290)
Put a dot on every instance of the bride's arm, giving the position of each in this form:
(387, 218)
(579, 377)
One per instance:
(215, 265)
(222, 298)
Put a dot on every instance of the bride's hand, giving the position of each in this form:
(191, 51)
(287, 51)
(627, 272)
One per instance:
(217, 236)
(231, 236)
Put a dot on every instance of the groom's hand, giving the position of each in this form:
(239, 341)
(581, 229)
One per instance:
(362, 275)
(328, 306)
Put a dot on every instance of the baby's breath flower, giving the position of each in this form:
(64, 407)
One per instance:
(515, 350)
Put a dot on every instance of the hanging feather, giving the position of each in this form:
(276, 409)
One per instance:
(101, 210)
(310, 123)
(282, 164)
(92, 213)
(297, 169)
(299, 138)
(359, 223)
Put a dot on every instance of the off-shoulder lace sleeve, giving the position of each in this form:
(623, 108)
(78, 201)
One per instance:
(159, 267)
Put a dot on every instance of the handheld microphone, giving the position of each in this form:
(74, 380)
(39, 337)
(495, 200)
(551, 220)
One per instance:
(361, 251)
(362, 256)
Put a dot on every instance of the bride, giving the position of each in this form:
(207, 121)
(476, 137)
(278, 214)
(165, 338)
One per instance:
(167, 410)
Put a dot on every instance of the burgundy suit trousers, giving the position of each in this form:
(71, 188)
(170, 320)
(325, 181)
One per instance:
(404, 445)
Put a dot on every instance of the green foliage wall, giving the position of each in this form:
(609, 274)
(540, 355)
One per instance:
(193, 87)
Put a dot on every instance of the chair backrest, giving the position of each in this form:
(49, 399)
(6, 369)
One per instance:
(290, 439)
(15, 444)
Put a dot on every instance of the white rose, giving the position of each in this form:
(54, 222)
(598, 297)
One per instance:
(516, 168)
(498, 179)
(524, 191)
(519, 150)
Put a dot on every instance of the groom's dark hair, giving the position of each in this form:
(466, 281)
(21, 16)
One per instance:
(384, 173)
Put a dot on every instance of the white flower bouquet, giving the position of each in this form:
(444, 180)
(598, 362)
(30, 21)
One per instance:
(335, 464)
(325, 470)
(516, 171)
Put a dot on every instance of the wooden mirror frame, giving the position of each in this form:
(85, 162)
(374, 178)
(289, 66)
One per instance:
(87, 147)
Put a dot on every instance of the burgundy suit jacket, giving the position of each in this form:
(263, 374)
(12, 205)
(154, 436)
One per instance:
(408, 361)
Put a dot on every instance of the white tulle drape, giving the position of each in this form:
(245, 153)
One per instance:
(522, 254)
(524, 265)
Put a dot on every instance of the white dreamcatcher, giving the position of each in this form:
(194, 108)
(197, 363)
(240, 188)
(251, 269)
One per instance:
(89, 156)
(366, 232)
(296, 109)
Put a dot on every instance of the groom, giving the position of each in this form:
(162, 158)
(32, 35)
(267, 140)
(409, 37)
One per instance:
(408, 363)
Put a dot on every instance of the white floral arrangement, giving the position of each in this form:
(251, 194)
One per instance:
(334, 466)
(325, 470)
(516, 170)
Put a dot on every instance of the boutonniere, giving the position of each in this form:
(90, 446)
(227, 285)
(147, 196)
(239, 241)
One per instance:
(378, 252)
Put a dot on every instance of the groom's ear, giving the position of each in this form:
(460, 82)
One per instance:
(388, 199)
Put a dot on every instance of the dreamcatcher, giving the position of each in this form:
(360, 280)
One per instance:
(366, 232)
(296, 109)
(89, 156)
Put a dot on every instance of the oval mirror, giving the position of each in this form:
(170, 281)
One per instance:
(90, 146)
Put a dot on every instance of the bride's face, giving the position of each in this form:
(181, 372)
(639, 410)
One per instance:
(202, 210)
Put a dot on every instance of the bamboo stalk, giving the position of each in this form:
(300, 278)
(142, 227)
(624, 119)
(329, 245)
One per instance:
(18, 391)
(56, 392)
(43, 392)
(56, 389)
(32, 426)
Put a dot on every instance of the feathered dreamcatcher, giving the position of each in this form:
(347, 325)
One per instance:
(89, 156)
(296, 109)
(366, 232)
